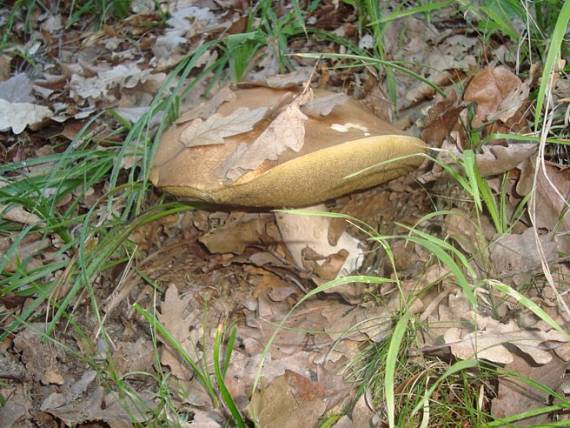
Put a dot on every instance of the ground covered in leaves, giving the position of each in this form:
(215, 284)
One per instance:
(442, 296)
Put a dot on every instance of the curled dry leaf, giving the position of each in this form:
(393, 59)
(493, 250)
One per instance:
(489, 88)
(217, 127)
(441, 119)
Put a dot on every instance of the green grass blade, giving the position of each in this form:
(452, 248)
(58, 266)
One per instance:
(551, 58)
(424, 8)
(220, 379)
(229, 349)
(391, 361)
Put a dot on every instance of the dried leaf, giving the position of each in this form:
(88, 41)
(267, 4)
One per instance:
(184, 22)
(291, 400)
(515, 396)
(18, 116)
(17, 89)
(488, 343)
(97, 87)
(289, 80)
(552, 207)
(40, 358)
(234, 238)
(517, 255)
(323, 106)
(174, 316)
(114, 411)
(133, 356)
(18, 214)
(441, 119)
(216, 128)
(205, 419)
(509, 105)
(495, 159)
(286, 131)
(16, 407)
(469, 235)
(208, 108)
(488, 89)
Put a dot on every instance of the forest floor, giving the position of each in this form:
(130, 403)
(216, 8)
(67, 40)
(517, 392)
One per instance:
(437, 299)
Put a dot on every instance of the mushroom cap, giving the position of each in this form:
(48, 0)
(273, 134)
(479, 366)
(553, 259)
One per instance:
(316, 173)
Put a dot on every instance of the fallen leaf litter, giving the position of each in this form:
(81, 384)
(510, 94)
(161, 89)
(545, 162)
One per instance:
(239, 266)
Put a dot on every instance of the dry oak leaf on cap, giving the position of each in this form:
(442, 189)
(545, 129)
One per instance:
(286, 131)
(307, 167)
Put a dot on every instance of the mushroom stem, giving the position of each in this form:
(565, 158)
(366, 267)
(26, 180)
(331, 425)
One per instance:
(306, 238)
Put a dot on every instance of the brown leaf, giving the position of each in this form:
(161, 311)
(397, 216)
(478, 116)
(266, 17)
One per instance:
(515, 396)
(290, 400)
(40, 358)
(323, 106)
(496, 159)
(489, 341)
(114, 411)
(305, 231)
(174, 317)
(552, 212)
(289, 80)
(235, 237)
(517, 255)
(17, 406)
(286, 131)
(441, 119)
(488, 89)
(208, 108)
(214, 129)
(133, 356)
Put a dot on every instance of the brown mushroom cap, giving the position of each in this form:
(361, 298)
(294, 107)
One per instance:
(316, 173)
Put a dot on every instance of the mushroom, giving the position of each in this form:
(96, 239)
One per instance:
(274, 148)
(347, 140)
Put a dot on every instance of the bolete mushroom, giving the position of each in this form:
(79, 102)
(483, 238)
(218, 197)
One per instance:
(274, 148)
(266, 148)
